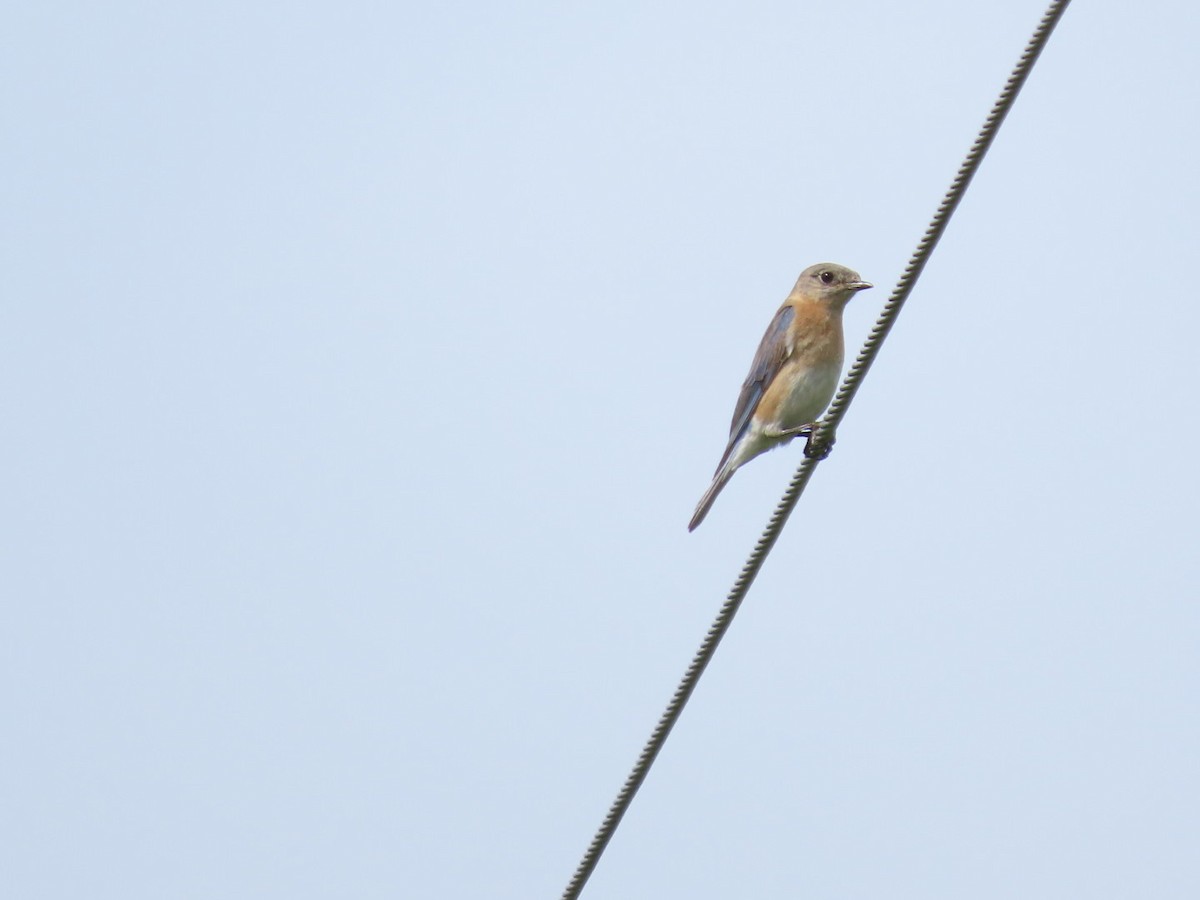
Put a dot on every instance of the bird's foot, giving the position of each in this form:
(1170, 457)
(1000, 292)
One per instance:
(820, 442)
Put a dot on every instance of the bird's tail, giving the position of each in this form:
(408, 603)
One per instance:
(718, 483)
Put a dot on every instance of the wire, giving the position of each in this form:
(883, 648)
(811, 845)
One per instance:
(828, 426)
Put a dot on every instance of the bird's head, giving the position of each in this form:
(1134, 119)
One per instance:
(830, 283)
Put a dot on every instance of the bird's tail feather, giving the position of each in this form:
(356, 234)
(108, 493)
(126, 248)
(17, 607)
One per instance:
(719, 481)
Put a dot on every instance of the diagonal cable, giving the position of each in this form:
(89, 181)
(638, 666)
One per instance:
(828, 426)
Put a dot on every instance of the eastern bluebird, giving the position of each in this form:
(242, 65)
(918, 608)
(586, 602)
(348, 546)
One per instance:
(794, 374)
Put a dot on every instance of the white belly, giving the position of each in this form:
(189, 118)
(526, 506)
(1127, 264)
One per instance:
(809, 396)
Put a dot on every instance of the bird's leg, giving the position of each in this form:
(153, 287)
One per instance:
(798, 431)
(814, 448)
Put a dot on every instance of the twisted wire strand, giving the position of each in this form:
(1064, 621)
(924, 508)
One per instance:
(828, 426)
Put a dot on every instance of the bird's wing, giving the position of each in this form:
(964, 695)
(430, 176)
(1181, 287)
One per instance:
(772, 351)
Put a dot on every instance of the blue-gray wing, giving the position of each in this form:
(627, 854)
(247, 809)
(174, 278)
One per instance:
(772, 351)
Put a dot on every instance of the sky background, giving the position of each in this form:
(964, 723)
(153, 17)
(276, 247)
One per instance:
(362, 364)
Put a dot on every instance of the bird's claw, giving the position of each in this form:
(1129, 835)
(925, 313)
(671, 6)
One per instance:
(819, 444)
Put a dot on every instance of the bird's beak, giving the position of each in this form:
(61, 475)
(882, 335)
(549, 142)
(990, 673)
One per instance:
(859, 285)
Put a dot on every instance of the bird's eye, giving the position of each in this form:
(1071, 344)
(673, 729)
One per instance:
(826, 277)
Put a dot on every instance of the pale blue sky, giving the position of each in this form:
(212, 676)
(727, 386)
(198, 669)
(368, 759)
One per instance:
(362, 365)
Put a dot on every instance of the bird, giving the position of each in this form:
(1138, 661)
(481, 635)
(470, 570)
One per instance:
(793, 377)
